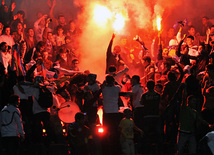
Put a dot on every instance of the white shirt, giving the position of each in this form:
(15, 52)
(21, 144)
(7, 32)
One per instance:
(8, 39)
(210, 142)
(110, 99)
(11, 122)
(137, 92)
(33, 91)
(5, 59)
(119, 75)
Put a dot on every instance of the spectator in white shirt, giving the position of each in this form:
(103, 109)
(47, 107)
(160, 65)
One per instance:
(6, 37)
(11, 126)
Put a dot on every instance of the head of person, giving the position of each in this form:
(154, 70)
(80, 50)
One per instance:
(117, 49)
(40, 46)
(171, 76)
(91, 78)
(190, 40)
(4, 47)
(39, 15)
(159, 88)
(38, 80)
(72, 25)
(14, 100)
(63, 53)
(30, 32)
(112, 69)
(50, 36)
(191, 30)
(192, 101)
(19, 26)
(146, 60)
(166, 65)
(80, 118)
(75, 64)
(171, 33)
(59, 30)
(110, 80)
(205, 20)
(135, 79)
(45, 55)
(61, 19)
(150, 85)
(7, 30)
(21, 14)
(127, 113)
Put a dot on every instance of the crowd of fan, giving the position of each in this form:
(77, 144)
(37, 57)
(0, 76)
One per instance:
(170, 92)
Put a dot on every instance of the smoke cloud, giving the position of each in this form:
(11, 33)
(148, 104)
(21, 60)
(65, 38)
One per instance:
(140, 14)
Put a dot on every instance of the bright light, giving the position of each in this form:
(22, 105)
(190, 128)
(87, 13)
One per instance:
(101, 14)
(159, 23)
(100, 114)
(100, 130)
(119, 22)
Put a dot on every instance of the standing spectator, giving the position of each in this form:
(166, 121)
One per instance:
(39, 27)
(113, 57)
(30, 39)
(90, 106)
(189, 121)
(127, 128)
(11, 126)
(18, 18)
(47, 63)
(151, 123)
(6, 37)
(65, 61)
(110, 93)
(5, 56)
(6, 15)
(78, 135)
(149, 73)
(59, 37)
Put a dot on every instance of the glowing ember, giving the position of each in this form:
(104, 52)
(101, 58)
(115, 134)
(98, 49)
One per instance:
(101, 14)
(119, 22)
(159, 23)
(100, 114)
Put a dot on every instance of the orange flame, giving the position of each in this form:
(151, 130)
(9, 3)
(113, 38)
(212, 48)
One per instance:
(101, 14)
(119, 22)
(100, 114)
(159, 23)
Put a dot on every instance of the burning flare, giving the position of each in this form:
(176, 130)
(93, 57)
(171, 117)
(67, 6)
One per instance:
(159, 23)
(101, 14)
(119, 22)
(100, 114)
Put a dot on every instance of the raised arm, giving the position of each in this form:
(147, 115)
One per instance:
(110, 45)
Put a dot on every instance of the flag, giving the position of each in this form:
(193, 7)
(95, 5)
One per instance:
(16, 61)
